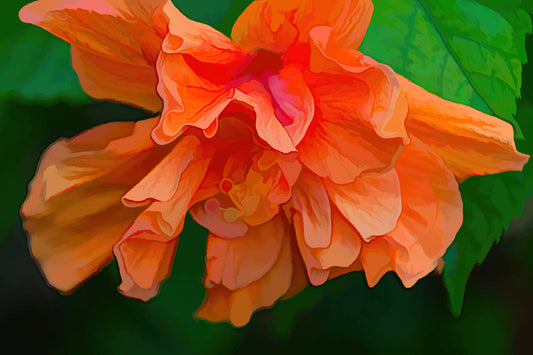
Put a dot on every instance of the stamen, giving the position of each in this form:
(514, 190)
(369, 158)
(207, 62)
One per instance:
(212, 205)
(226, 185)
(232, 214)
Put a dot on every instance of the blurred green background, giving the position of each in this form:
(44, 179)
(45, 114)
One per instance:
(41, 101)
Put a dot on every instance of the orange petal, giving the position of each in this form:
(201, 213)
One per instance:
(360, 124)
(276, 24)
(73, 212)
(376, 260)
(163, 181)
(194, 67)
(468, 141)
(189, 100)
(293, 101)
(311, 200)
(172, 185)
(372, 204)
(268, 127)
(113, 41)
(237, 306)
(341, 253)
(144, 260)
(432, 213)
(237, 262)
(387, 109)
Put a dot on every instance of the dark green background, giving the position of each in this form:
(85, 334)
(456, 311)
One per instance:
(40, 101)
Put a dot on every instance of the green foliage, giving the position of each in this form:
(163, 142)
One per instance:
(470, 52)
(221, 14)
(459, 50)
(37, 68)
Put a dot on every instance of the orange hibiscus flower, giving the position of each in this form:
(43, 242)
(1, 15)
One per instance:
(303, 157)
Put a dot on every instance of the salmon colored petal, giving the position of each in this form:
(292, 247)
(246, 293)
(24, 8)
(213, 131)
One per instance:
(387, 109)
(359, 126)
(277, 24)
(238, 306)
(268, 127)
(431, 216)
(342, 251)
(171, 186)
(194, 67)
(163, 181)
(468, 141)
(143, 260)
(73, 213)
(146, 250)
(311, 200)
(299, 273)
(105, 78)
(294, 104)
(211, 216)
(237, 262)
(189, 100)
(372, 204)
(376, 260)
(117, 38)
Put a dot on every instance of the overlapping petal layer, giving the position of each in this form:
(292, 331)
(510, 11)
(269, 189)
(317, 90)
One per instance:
(277, 24)
(78, 186)
(115, 44)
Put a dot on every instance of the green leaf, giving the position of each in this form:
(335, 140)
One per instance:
(37, 68)
(220, 14)
(460, 49)
(470, 52)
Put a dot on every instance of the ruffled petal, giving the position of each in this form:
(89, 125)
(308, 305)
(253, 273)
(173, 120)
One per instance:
(376, 260)
(311, 200)
(237, 306)
(169, 204)
(468, 141)
(73, 213)
(432, 213)
(277, 24)
(194, 67)
(359, 125)
(293, 102)
(372, 204)
(340, 253)
(144, 256)
(237, 262)
(112, 42)
(145, 252)
(268, 127)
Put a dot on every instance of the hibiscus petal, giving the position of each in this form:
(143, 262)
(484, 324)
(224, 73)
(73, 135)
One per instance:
(293, 101)
(145, 252)
(468, 141)
(268, 127)
(376, 260)
(194, 66)
(432, 213)
(237, 262)
(73, 212)
(359, 125)
(172, 185)
(163, 181)
(237, 306)
(372, 203)
(341, 253)
(276, 24)
(144, 257)
(113, 41)
(311, 200)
